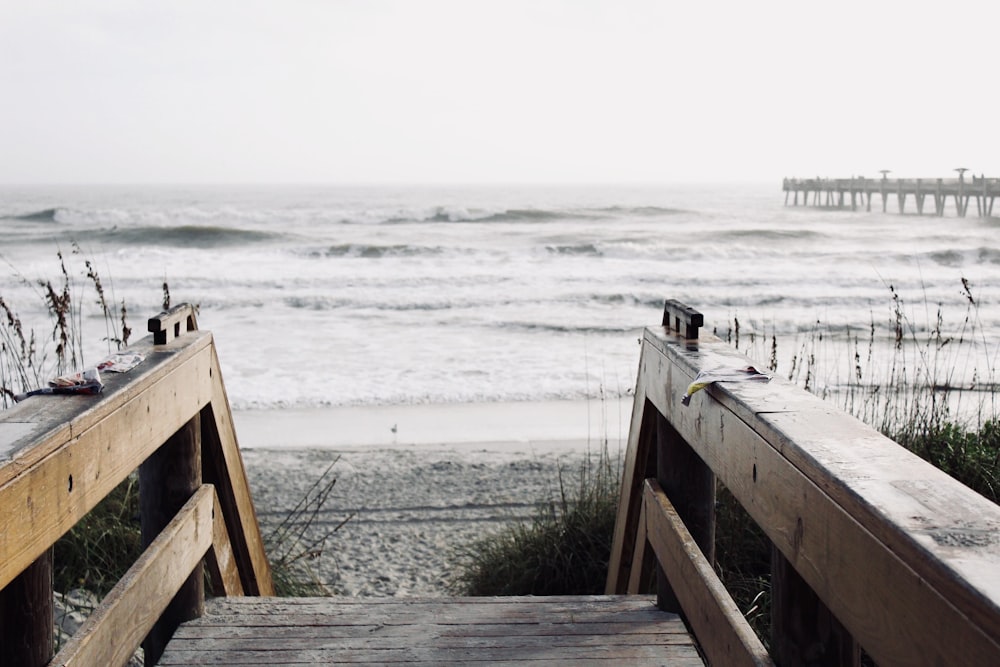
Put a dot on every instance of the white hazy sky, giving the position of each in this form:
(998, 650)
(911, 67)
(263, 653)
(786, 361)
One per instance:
(512, 91)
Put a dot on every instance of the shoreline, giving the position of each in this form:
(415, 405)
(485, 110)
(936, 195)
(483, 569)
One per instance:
(412, 502)
(499, 424)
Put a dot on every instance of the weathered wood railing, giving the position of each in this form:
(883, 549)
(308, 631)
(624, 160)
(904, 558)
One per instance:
(60, 455)
(872, 546)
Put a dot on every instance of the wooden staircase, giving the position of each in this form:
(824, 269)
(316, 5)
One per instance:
(872, 547)
(427, 632)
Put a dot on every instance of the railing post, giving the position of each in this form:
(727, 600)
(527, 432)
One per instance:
(690, 486)
(681, 319)
(803, 630)
(26, 627)
(167, 480)
(684, 477)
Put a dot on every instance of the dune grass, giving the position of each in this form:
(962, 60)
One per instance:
(919, 384)
(101, 547)
(563, 550)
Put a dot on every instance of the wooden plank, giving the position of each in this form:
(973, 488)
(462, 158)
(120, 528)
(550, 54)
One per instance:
(670, 661)
(619, 610)
(292, 627)
(724, 634)
(684, 476)
(117, 627)
(43, 498)
(891, 491)
(26, 609)
(803, 629)
(831, 494)
(223, 466)
(326, 655)
(170, 324)
(416, 614)
(639, 567)
(46, 422)
(640, 463)
(590, 630)
(219, 560)
(267, 638)
(682, 319)
(167, 480)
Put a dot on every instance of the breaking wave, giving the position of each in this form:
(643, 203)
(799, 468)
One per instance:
(45, 215)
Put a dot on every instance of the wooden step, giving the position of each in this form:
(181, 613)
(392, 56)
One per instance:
(566, 630)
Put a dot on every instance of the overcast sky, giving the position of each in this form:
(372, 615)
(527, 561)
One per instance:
(337, 91)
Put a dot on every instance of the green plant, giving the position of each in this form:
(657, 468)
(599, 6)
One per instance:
(563, 550)
(100, 548)
(910, 380)
(970, 456)
(743, 561)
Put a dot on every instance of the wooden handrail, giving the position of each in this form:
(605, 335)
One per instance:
(112, 632)
(61, 455)
(903, 559)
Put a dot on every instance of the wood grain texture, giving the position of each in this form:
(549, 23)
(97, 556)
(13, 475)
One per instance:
(639, 568)
(170, 324)
(167, 480)
(726, 637)
(905, 557)
(60, 455)
(53, 484)
(691, 483)
(35, 427)
(223, 466)
(220, 560)
(640, 463)
(116, 628)
(589, 630)
(26, 611)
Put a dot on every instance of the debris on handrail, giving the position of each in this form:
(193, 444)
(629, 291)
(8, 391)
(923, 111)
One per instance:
(84, 382)
(707, 377)
(87, 382)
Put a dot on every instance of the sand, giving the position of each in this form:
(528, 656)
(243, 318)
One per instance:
(412, 508)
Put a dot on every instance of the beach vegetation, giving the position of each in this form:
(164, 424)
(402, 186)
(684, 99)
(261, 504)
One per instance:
(30, 356)
(928, 386)
(297, 541)
(563, 550)
(99, 549)
(919, 384)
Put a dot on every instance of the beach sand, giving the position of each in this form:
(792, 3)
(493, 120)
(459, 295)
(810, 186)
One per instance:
(412, 500)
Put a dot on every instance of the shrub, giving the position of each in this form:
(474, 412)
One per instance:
(563, 550)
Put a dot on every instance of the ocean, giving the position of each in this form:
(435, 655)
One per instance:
(369, 296)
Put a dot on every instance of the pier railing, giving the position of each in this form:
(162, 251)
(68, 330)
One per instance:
(836, 192)
(873, 548)
(168, 418)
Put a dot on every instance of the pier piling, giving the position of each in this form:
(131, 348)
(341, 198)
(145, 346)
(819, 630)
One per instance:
(834, 192)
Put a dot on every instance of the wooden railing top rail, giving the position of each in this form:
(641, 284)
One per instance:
(859, 181)
(61, 455)
(907, 558)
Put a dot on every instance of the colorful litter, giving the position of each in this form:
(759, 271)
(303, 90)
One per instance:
(87, 382)
(707, 377)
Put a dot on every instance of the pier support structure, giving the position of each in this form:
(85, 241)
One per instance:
(835, 193)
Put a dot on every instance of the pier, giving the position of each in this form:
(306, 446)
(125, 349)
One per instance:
(843, 193)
